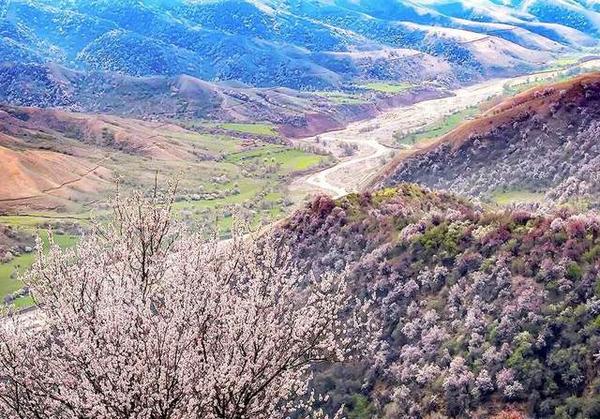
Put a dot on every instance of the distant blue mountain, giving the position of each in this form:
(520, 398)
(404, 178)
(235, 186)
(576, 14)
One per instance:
(303, 44)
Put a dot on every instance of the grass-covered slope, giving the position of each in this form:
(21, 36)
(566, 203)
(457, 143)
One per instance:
(483, 312)
(54, 160)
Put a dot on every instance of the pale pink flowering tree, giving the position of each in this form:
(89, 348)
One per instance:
(146, 319)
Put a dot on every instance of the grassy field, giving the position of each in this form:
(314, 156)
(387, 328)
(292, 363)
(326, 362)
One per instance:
(33, 220)
(516, 196)
(535, 81)
(255, 153)
(267, 130)
(514, 89)
(9, 272)
(383, 87)
(262, 129)
(296, 160)
(211, 143)
(23, 302)
(436, 129)
(248, 189)
(288, 160)
(234, 129)
(342, 98)
(566, 61)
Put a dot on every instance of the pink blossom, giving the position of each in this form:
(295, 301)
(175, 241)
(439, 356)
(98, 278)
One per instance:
(146, 319)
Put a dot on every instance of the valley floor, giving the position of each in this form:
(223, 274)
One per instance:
(374, 139)
(252, 174)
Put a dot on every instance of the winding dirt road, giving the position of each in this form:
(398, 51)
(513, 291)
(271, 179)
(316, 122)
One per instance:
(373, 137)
(346, 171)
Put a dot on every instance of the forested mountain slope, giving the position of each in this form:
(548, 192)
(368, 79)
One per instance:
(545, 140)
(300, 44)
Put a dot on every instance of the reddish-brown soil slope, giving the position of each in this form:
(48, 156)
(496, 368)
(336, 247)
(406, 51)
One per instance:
(50, 158)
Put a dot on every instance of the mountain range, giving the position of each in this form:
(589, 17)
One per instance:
(299, 44)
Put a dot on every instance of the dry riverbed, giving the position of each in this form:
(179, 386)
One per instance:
(373, 138)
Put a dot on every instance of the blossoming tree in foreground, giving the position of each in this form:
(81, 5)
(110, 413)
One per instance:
(145, 318)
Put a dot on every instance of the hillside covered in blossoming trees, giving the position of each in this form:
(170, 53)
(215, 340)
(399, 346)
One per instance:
(545, 141)
(485, 313)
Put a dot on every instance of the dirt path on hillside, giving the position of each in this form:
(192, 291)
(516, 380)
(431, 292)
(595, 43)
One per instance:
(374, 137)
(80, 177)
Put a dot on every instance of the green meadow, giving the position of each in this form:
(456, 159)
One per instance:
(436, 129)
(10, 272)
(383, 87)
(516, 196)
(342, 98)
